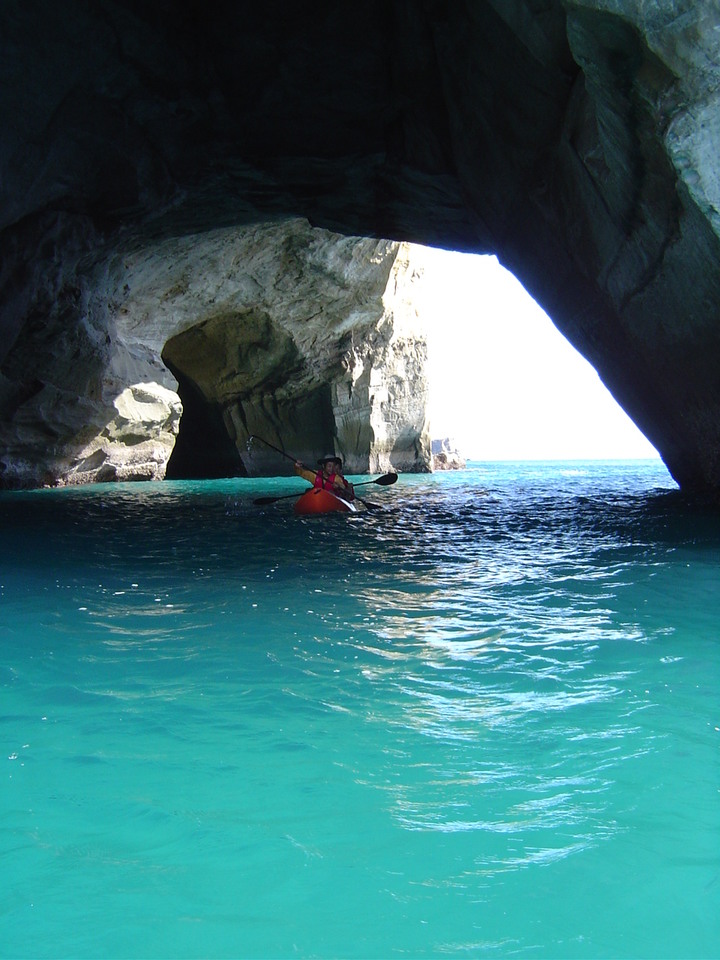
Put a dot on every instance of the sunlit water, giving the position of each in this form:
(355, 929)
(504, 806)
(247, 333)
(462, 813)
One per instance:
(481, 721)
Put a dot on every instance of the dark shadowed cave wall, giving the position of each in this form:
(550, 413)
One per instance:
(576, 140)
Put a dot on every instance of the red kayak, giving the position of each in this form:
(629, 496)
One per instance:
(317, 500)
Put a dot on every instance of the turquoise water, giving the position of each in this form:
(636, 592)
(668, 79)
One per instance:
(481, 721)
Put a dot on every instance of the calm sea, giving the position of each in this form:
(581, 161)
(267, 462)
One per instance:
(481, 721)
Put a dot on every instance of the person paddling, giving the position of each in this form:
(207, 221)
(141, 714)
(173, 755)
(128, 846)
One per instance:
(328, 477)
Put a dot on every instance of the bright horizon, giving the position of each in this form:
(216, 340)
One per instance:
(504, 383)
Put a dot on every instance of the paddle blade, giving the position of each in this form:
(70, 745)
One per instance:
(386, 479)
(262, 501)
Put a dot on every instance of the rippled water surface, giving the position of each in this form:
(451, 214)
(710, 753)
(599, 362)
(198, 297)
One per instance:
(481, 720)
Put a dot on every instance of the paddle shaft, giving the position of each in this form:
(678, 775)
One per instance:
(369, 504)
(384, 481)
(273, 447)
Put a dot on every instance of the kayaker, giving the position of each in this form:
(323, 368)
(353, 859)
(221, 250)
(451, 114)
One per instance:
(328, 477)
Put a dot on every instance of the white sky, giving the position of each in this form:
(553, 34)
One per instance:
(504, 383)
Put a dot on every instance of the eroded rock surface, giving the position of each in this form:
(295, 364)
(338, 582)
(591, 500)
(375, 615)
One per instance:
(306, 338)
(313, 343)
(576, 139)
(446, 455)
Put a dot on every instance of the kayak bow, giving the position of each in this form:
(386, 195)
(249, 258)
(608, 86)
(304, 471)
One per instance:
(317, 500)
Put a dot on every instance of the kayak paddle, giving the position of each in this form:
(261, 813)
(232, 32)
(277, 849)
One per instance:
(385, 480)
(271, 445)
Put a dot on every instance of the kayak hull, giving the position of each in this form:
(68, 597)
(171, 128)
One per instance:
(317, 500)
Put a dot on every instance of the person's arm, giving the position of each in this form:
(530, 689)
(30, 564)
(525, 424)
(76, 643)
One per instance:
(344, 487)
(302, 471)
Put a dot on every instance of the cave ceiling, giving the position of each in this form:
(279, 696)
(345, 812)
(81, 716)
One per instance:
(577, 141)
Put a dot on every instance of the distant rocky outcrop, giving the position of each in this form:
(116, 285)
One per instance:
(577, 140)
(446, 456)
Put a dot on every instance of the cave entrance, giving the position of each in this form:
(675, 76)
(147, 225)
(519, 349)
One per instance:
(231, 370)
(203, 449)
(504, 383)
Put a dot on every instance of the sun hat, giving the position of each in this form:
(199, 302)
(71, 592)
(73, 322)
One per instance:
(330, 457)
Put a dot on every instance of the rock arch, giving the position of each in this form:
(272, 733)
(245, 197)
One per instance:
(575, 139)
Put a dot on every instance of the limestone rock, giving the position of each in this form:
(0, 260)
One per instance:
(302, 336)
(446, 456)
(575, 139)
(136, 443)
(313, 344)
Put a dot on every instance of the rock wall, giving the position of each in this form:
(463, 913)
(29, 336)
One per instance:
(315, 345)
(575, 139)
(446, 455)
(296, 334)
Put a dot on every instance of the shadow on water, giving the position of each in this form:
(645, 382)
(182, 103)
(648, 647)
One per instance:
(425, 520)
(454, 714)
